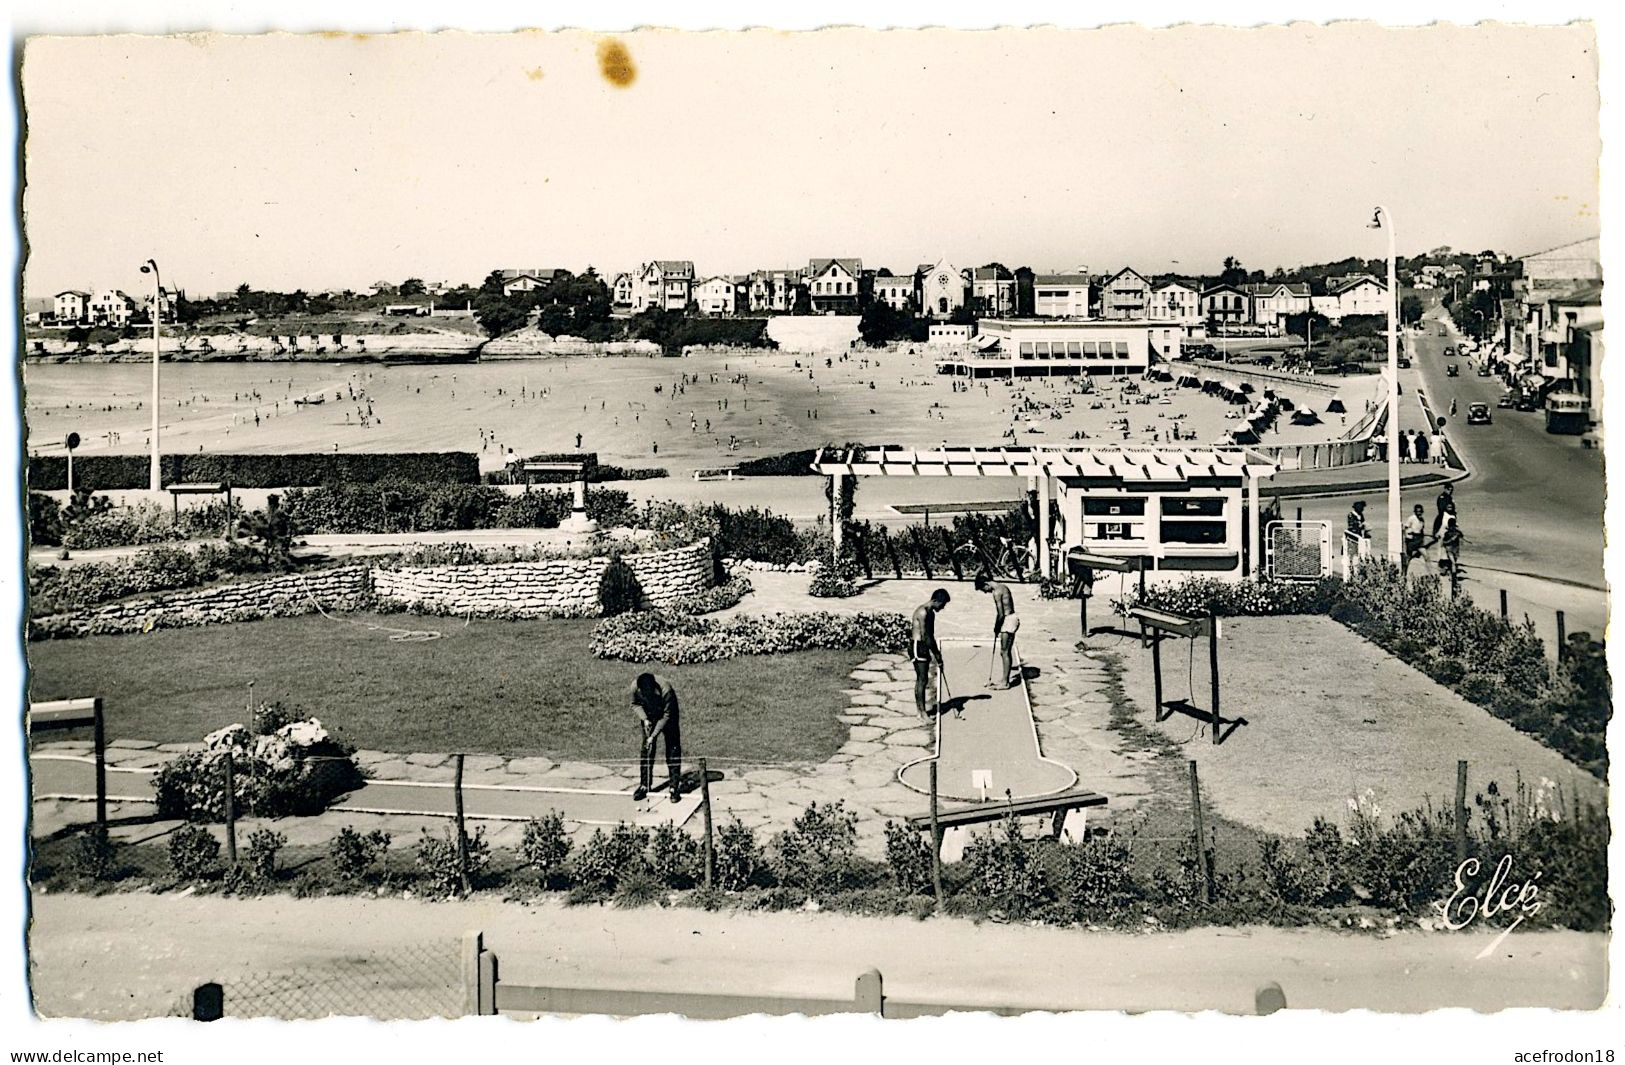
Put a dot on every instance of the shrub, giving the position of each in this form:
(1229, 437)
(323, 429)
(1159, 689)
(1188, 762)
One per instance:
(152, 569)
(834, 579)
(545, 844)
(720, 597)
(676, 859)
(296, 770)
(676, 639)
(93, 855)
(44, 520)
(272, 532)
(1003, 868)
(639, 888)
(745, 533)
(739, 857)
(354, 854)
(194, 853)
(444, 868)
(114, 472)
(618, 589)
(1099, 879)
(908, 857)
(815, 854)
(263, 847)
(601, 865)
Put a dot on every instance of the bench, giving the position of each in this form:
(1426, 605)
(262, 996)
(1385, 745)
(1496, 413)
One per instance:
(1158, 625)
(981, 813)
(77, 713)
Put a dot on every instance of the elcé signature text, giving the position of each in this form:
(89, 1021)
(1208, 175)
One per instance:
(1499, 894)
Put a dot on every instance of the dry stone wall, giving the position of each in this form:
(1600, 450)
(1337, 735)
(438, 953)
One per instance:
(560, 587)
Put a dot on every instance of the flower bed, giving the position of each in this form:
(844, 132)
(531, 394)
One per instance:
(680, 639)
(281, 767)
(155, 569)
(1486, 659)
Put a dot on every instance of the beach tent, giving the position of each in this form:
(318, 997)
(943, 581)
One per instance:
(1285, 403)
(1246, 387)
(1161, 375)
(1305, 417)
(1244, 436)
(1189, 380)
(1336, 407)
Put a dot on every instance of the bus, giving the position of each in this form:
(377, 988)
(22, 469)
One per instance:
(1567, 413)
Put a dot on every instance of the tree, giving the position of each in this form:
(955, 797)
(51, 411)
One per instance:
(272, 532)
(1232, 274)
(879, 323)
(498, 314)
(412, 286)
(1410, 310)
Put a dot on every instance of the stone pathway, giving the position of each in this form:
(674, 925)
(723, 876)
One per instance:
(1070, 701)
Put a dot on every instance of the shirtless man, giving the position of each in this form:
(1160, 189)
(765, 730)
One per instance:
(923, 646)
(1005, 624)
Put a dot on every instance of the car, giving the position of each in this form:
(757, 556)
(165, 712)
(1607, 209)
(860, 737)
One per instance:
(1442, 330)
(1450, 349)
(1526, 403)
(1478, 414)
(1507, 401)
(1404, 363)
(1483, 369)
(1452, 370)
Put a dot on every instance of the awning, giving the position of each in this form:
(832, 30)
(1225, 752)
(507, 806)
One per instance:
(987, 343)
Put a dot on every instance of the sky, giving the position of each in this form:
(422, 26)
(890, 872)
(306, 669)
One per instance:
(317, 162)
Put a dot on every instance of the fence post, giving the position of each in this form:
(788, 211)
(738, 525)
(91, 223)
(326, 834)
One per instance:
(920, 551)
(869, 994)
(462, 834)
(488, 983)
(710, 845)
(1201, 836)
(1562, 636)
(860, 540)
(936, 839)
(231, 808)
(473, 945)
(1503, 604)
(208, 1002)
(891, 552)
(99, 741)
(1461, 810)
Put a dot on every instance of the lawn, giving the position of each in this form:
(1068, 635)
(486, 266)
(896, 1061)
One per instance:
(490, 687)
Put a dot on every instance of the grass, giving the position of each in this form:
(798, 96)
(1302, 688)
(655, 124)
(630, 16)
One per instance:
(490, 687)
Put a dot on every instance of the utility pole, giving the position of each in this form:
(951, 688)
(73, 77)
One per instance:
(156, 476)
(1382, 218)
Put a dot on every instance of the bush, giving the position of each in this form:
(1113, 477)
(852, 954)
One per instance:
(677, 639)
(545, 844)
(44, 520)
(1004, 869)
(295, 771)
(908, 857)
(105, 473)
(194, 853)
(739, 857)
(720, 597)
(93, 855)
(1099, 879)
(746, 533)
(834, 579)
(354, 854)
(618, 589)
(815, 854)
(444, 868)
(263, 847)
(676, 859)
(607, 859)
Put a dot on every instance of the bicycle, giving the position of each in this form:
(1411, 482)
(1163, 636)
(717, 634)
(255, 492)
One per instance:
(1013, 563)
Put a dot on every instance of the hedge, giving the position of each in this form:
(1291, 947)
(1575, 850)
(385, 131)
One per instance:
(105, 473)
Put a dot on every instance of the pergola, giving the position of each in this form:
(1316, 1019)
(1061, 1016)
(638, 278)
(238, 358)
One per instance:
(1149, 468)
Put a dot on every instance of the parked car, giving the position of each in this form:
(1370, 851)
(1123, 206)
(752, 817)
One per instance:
(1404, 363)
(1484, 368)
(1507, 401)
(1478, 414)
(1452, 370)
(1450, 349)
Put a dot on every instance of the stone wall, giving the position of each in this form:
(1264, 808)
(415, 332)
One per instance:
(343, 588)
(566, 587)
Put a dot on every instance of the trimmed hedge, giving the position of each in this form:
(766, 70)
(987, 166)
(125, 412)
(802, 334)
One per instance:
(678, 639)
(105, 473)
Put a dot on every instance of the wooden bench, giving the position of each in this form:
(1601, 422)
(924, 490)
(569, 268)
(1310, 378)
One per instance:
(77, 713)
(199, 488)
(981, 813)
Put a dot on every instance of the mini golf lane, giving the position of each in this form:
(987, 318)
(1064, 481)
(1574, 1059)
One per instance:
(72, 777)
(979, 730)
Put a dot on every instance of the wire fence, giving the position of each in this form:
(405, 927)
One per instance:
(413, 982)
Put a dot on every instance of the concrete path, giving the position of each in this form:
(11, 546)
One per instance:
(987, 744)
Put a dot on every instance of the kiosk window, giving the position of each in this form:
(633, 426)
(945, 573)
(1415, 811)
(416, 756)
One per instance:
(1108, 508)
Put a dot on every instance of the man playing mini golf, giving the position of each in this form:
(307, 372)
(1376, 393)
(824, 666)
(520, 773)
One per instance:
(1005, 624)
(654, 704)
(923, 646)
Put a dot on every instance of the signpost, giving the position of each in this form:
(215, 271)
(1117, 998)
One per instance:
(72, 441)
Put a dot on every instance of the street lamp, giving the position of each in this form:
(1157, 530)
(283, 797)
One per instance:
(156, 477)
(1382, 218)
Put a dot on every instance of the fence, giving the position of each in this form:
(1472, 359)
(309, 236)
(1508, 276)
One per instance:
(417, 982)
(1298, 550)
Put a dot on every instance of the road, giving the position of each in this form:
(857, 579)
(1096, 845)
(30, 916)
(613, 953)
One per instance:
(128, 955)
(1531, 508)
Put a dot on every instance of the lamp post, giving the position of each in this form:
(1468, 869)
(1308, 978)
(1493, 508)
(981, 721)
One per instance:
(1382, 218)
(156, 478)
